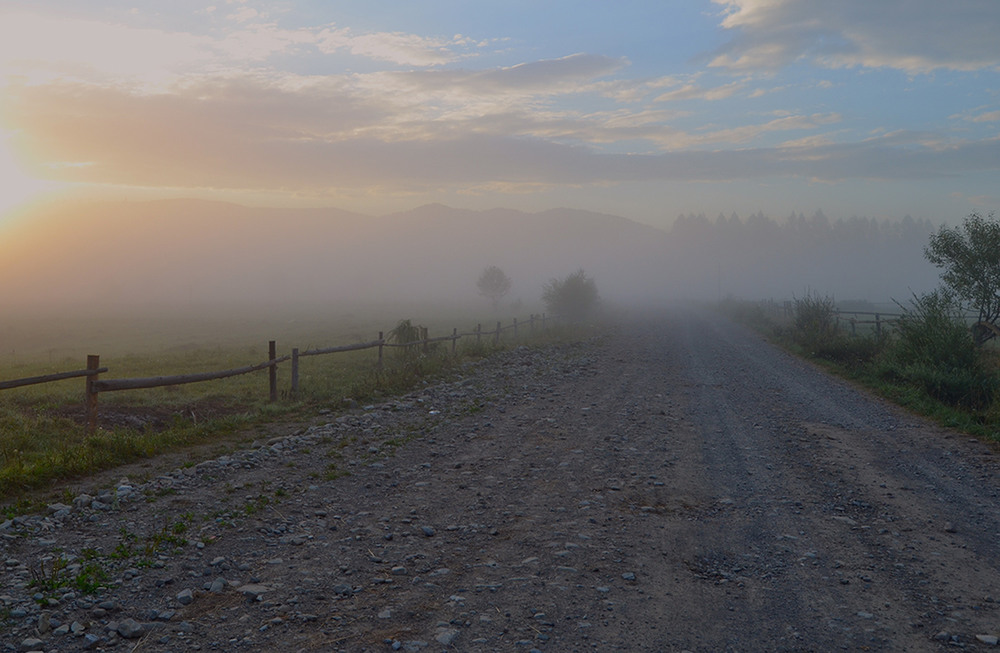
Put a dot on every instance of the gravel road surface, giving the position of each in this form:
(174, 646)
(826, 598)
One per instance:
(675, 485)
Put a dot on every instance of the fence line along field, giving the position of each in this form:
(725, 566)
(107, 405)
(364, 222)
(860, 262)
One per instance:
(52, 425)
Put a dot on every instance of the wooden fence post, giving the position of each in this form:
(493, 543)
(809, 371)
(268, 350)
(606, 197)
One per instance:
(295, 371)
(454, 340)
(93, 363)
(380, 339)
(272, 370)
(878, 325)
(479, 332)
(496, 336)
(424, 336)
(531, 327)
(515, 328)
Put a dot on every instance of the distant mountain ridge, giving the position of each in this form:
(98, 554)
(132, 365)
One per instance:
(185, 252)
(197, 253)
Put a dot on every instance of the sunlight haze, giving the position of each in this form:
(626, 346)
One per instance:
(642, 109)
(645, 110)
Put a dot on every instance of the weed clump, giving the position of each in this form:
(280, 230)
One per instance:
(815, 330)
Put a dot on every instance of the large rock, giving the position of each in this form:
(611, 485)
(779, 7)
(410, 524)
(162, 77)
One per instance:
(131, 629)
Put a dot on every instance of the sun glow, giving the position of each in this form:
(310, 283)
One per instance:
(16, 187)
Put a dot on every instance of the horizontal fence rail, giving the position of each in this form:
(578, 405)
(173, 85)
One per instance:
(334, 350)
(49, 378)
(112, 385)
(95, 385)
(879, 320)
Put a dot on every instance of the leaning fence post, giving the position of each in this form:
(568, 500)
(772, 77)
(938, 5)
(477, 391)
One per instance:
(425, 337)
(878, 325)
(515, 328)
(479, 332)
(496, 336)
(93, 363)
(381, 342)
(454, 339)
(295, 370)
(272, 370)
(532, 324)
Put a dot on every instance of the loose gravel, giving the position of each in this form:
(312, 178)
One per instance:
(675, 485)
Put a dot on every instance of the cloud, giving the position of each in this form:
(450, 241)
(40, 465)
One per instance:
(746, 133)
(395, 47)
(546, 77)
(989, 116)
(916, 36)
(696, 92)
(245, 135)
(44, 47)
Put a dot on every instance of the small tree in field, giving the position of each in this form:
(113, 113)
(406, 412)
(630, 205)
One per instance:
(573, 297)
(969, 256)
(493, 283)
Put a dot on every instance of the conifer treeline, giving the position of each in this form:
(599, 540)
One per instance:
(852, 258)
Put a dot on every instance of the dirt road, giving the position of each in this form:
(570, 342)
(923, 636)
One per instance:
(675, 485)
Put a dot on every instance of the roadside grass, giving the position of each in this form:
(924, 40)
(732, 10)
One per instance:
(939, 381)
(43, 438)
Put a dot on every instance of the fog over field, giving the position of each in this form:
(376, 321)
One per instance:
(213, 257)
(278, 160)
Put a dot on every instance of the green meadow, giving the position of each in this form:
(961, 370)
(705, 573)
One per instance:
(43, 436)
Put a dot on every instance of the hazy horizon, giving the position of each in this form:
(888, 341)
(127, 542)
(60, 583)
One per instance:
(166, 255)
(390, 153)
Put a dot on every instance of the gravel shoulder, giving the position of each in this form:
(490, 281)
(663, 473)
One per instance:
(677, 484)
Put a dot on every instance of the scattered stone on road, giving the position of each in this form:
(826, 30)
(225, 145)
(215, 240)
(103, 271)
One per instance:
(676, 484)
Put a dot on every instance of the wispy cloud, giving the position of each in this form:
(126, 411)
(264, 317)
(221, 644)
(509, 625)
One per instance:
(989, 116)
(697, 92)
(395, 47)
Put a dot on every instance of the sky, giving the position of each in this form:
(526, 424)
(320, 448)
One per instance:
(643, 109)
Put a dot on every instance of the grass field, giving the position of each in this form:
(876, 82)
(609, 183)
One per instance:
(43, 439)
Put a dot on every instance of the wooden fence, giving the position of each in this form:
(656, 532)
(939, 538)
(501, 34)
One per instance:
(95, 385)
(878, 320)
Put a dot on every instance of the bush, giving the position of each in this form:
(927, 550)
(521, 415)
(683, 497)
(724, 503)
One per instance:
(574, 297)
(404, 333)
(815, 323)
(854, 353)
(933, 349)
